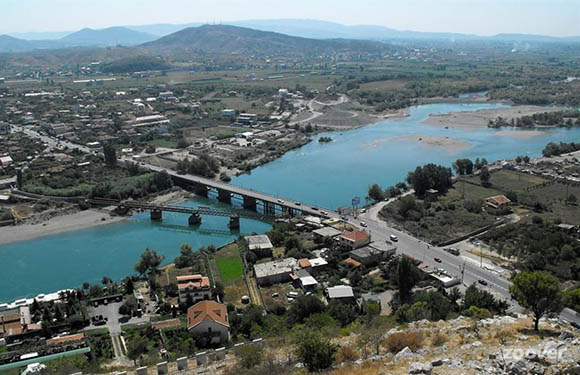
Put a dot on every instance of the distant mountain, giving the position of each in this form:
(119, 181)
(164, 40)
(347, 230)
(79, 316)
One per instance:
(11, 44)
(163, 29)
(226, 39)
(106, 37)
(47, 35)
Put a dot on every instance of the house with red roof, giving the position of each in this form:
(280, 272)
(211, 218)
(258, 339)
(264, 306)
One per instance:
(209, 320)
(196, 286)
(354, 240)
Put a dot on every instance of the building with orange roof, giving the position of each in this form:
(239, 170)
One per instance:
(65, 339)
(355, 239)
(209, 319)
(197, 287)
(498, 201)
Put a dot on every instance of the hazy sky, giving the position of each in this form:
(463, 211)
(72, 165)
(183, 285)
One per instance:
(485, 17)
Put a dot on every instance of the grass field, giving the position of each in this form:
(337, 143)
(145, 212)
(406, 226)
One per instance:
(227, 268)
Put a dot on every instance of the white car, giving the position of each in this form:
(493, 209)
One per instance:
(363, 224)
(393, 238)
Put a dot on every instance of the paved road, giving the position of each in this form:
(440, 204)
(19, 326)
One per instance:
(418, 249)
(52, 142)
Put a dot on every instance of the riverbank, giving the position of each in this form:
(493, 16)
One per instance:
(68, 222)
(480, 118)
(56, 225)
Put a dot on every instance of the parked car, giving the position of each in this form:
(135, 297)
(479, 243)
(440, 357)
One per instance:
(363, 224)
(438, 260)
(482, 282)
(393, 238)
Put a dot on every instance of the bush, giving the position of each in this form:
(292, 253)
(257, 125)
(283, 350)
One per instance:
(439, 339)
(314, 351)
(347, 354)
(250, 355)
(400, 340)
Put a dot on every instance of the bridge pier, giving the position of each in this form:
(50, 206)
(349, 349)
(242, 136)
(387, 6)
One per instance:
(269, 208)
(224, 196)
(249, 203)
(195, 219)
(200, 190)
(234, 222)
(156, 215)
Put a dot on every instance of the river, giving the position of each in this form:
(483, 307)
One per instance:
(325, 174)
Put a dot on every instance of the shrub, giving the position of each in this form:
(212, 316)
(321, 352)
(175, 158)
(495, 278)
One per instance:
(347, 354)
(439, 339)
(400, 340)
(249, 355)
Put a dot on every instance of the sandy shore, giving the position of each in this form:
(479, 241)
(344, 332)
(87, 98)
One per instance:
(58, 224)
(78, 220)
(481, 118)
(449, 144)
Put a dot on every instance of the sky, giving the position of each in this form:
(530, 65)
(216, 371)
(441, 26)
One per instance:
(482, 17)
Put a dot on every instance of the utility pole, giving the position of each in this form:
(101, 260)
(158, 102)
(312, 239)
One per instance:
(462, 272)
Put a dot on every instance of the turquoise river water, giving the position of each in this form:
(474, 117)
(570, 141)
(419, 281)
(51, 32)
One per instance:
(328, 175)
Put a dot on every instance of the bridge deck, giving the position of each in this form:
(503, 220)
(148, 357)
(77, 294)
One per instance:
(238, 190)
(179, 209)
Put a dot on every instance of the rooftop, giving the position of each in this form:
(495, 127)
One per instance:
(258, 242)
(192, 281)
(340, 291)
(356, 236)
(327, 232)
(207, 311)
(275, 267)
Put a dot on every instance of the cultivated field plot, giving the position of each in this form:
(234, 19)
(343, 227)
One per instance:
(227, 267)
(384, 85)
(468, 191)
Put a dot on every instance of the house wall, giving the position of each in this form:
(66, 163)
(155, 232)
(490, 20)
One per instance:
(204, 327)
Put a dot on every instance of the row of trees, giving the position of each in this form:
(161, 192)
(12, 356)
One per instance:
(555, 149)
(204, 165)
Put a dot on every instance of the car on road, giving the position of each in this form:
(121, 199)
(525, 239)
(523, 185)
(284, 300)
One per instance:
(324, 212)
(482, 282)
(314, 208)
(393, 238)
(280, 201)
(363, 210)
(438, 260)
(453, 250)
(297, 203)
(363, 224)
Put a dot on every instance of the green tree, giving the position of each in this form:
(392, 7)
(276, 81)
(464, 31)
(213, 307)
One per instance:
(484, 176)
(303, 307)
(315, 351)
(19, 179)
(344, 313)
(463, 166)
(149, 262)
(186, 256)
(250, 355)
(406, 278)
(136, 347)
(110, 155)
(376, 193)
(538, 292)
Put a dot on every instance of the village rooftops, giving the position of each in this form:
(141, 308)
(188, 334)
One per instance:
(340, 291)
(192, 281)
(355, 236)
(258, 242)
(327, 232)
(207, 311)
(275, 267)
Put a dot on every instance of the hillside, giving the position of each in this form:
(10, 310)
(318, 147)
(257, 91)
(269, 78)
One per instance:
(106, 37)
(224, 39)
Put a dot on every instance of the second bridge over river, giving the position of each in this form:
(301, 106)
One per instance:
(251, 200)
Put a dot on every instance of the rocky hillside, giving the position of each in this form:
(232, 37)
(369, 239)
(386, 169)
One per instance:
(500, 345)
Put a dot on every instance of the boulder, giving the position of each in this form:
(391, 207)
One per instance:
(420, 368)
(404, 354)
(519, 367)
(565, 335)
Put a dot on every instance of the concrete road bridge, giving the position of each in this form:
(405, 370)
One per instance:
(251, 200)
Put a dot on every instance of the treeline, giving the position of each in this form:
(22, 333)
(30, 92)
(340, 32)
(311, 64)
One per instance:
(204, 165)
(560, 118)
(133, 187)
(544, 94)
(538, 245)
(555, 149)
(135, 64)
